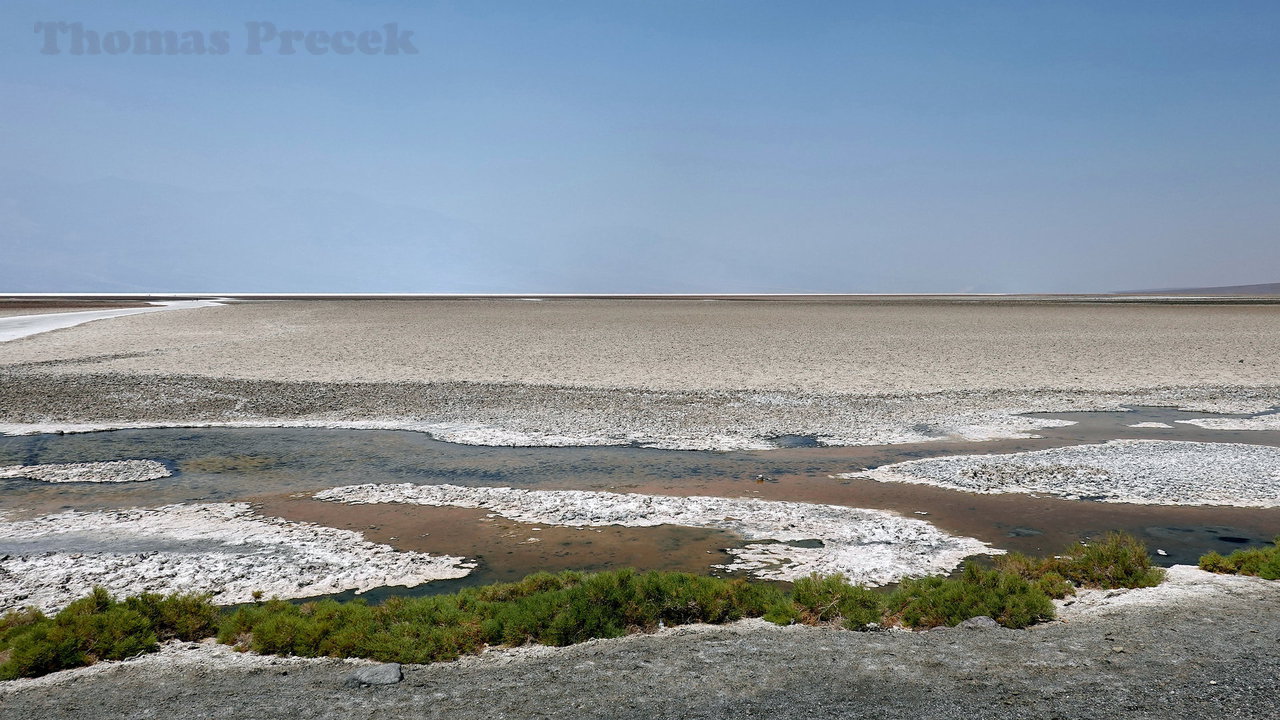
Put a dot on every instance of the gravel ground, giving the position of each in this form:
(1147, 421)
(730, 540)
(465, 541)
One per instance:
(1211, 653)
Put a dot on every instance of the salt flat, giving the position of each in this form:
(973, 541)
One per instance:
(677, 373)
(823, 345)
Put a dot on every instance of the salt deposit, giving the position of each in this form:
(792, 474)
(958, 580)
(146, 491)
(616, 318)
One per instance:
(219, 548)
(996, 426)
(1270, 421)
(872, 547)
(1183, 585)
(20, 326)
(92, 472)
(1154, 472)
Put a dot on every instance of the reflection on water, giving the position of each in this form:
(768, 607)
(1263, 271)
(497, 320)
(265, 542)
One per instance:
(270, 465)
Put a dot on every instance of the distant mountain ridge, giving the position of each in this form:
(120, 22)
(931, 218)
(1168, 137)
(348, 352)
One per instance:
(1260, 289)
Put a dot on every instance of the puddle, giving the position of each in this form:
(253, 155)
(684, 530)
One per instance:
(272, 466)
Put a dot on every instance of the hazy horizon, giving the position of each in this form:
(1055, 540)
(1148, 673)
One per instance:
(658, 147)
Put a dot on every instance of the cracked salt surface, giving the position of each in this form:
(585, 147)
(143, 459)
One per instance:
(91, 472)
(872, 547)
(218, 548)
(1151, 472)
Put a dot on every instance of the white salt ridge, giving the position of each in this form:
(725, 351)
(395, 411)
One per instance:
(969, 427)
(93, 472)
(218, 548)
(1150, 472)
(1165, 426)
(873, 547)
(461, 434)
(20, 326)
(1270, 421)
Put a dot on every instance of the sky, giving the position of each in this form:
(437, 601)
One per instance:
(647, 147)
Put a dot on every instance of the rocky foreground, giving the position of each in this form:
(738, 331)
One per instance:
(1200, 646)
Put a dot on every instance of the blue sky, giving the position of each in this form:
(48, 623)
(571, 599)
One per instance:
(649, 147)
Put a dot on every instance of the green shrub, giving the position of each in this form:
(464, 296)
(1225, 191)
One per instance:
(824, 599)
(1010, 599)
(1117, 560)
(1263, 562)
(549, 609)
(181, 617)
(97, 627)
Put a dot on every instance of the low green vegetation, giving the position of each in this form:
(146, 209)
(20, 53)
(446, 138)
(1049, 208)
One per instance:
(1116, 561)
(1263, 562)
(560, 609)
(1009, 599)
(97, 627)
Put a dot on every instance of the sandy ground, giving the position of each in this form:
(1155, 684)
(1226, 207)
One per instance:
(1199, 646)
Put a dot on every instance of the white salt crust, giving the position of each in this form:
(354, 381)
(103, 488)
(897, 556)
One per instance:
(1270, 421)
(1149, 472)
(20, 326)
(219, 548)
(92, 472)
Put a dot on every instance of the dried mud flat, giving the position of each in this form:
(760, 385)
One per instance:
(1201, 646)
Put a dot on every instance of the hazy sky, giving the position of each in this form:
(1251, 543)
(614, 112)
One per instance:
(647, 147)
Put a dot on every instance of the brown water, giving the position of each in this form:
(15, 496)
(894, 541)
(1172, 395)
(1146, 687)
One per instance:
(276, 468)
